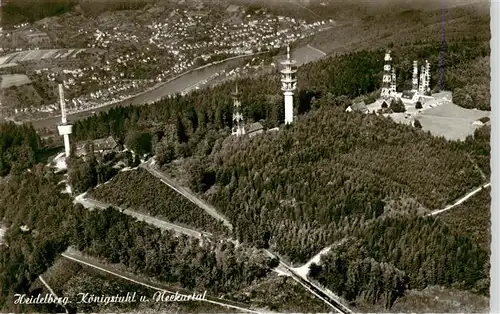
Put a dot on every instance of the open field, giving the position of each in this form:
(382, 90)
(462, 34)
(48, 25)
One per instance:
(441, 117)
(451, 121)
(36, 55)
(10, 80)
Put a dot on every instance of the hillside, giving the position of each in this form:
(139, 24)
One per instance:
(472, 218)
(330, 176)
(21, 11)
(305, 180)
(33, 199)
(138, 190)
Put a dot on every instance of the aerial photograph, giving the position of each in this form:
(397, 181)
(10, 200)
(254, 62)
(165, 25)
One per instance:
(245, 156)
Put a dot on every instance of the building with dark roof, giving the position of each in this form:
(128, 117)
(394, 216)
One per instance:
(254, 129)
(359, 106)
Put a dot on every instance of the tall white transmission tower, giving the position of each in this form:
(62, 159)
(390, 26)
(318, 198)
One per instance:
(415, 76)
(65, 128)
(427, 75)
(387, 79)
(393, 82)
(289, 85)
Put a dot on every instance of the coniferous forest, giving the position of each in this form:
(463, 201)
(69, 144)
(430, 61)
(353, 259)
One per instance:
(329, 177)
(54, 223)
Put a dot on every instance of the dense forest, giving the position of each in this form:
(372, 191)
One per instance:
(328, 177)
(300, 189)
(20, 11)
(18, 147)
(300, 184)
(153, 197)
(472, 218)
(472, 84)
(34, 199)
(387, 256)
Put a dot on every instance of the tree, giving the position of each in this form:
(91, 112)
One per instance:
(139, 142)
(461, 98)
(397, 105)
(417, 124)
(418, 105)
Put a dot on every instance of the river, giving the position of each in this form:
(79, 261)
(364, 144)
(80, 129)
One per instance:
(176, 85)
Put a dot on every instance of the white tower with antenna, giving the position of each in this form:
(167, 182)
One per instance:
(289, 85)
(415, 76)
(238, 128)
(65, 129)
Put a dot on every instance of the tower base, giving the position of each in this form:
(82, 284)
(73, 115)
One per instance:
(288, 107)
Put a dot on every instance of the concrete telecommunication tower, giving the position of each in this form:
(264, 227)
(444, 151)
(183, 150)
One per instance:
(65, 128)
(289, 85)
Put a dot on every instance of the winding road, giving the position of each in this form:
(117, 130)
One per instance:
(151, 168)
(460, 201)
(159, 223)
(321, 293)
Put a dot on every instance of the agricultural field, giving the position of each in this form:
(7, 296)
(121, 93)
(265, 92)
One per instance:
(10, 80)
(37, 55)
